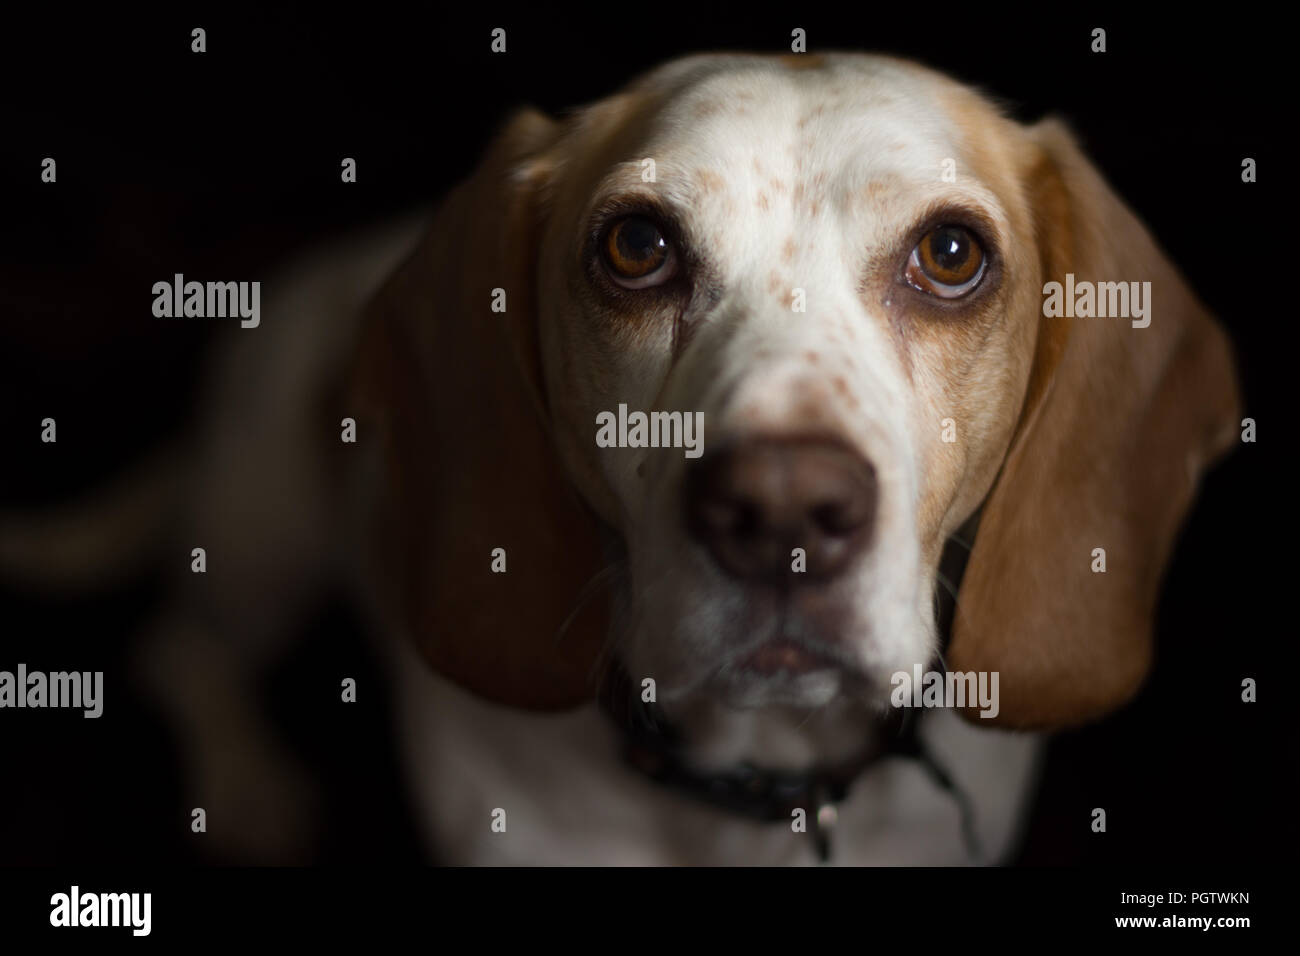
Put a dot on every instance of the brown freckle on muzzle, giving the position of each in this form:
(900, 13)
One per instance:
(842, 389)
(709, 181)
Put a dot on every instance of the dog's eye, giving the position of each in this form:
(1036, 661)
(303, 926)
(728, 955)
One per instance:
(637, 253)
(947, 262)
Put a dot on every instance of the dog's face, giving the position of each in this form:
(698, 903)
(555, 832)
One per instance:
(836, 267)
(839, 265)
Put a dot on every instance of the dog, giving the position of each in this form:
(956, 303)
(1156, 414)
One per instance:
(608, 652)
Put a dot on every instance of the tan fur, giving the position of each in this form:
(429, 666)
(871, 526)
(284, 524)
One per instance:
(439, 370)
(1120, 423)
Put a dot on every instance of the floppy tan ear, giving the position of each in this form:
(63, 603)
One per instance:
(1117, 426)
(453, 391)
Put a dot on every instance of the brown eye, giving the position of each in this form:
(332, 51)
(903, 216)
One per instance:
(947, 262)
(637, 253)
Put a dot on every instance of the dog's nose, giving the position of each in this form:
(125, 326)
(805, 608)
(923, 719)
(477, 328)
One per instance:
(752, 504)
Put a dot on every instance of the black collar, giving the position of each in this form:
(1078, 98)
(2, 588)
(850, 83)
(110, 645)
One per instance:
(655, 749)
(757, 793)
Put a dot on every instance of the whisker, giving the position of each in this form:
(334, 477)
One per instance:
(965, 544)
(942, 579)
(956, 608)
(589, 590)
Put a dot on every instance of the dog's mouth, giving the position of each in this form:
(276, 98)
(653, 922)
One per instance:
(789, 669)
(782, 656)
(773, 647)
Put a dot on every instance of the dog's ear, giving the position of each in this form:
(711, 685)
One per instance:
(1118, 423)
(484, 546)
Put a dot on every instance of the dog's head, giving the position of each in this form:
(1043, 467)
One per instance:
(827, 275)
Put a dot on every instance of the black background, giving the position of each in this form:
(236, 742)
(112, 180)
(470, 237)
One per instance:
(225, 163)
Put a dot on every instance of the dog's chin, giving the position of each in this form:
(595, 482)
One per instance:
(790, 719)
(811, 689)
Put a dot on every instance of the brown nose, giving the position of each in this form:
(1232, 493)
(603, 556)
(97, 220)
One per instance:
(753, 503)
